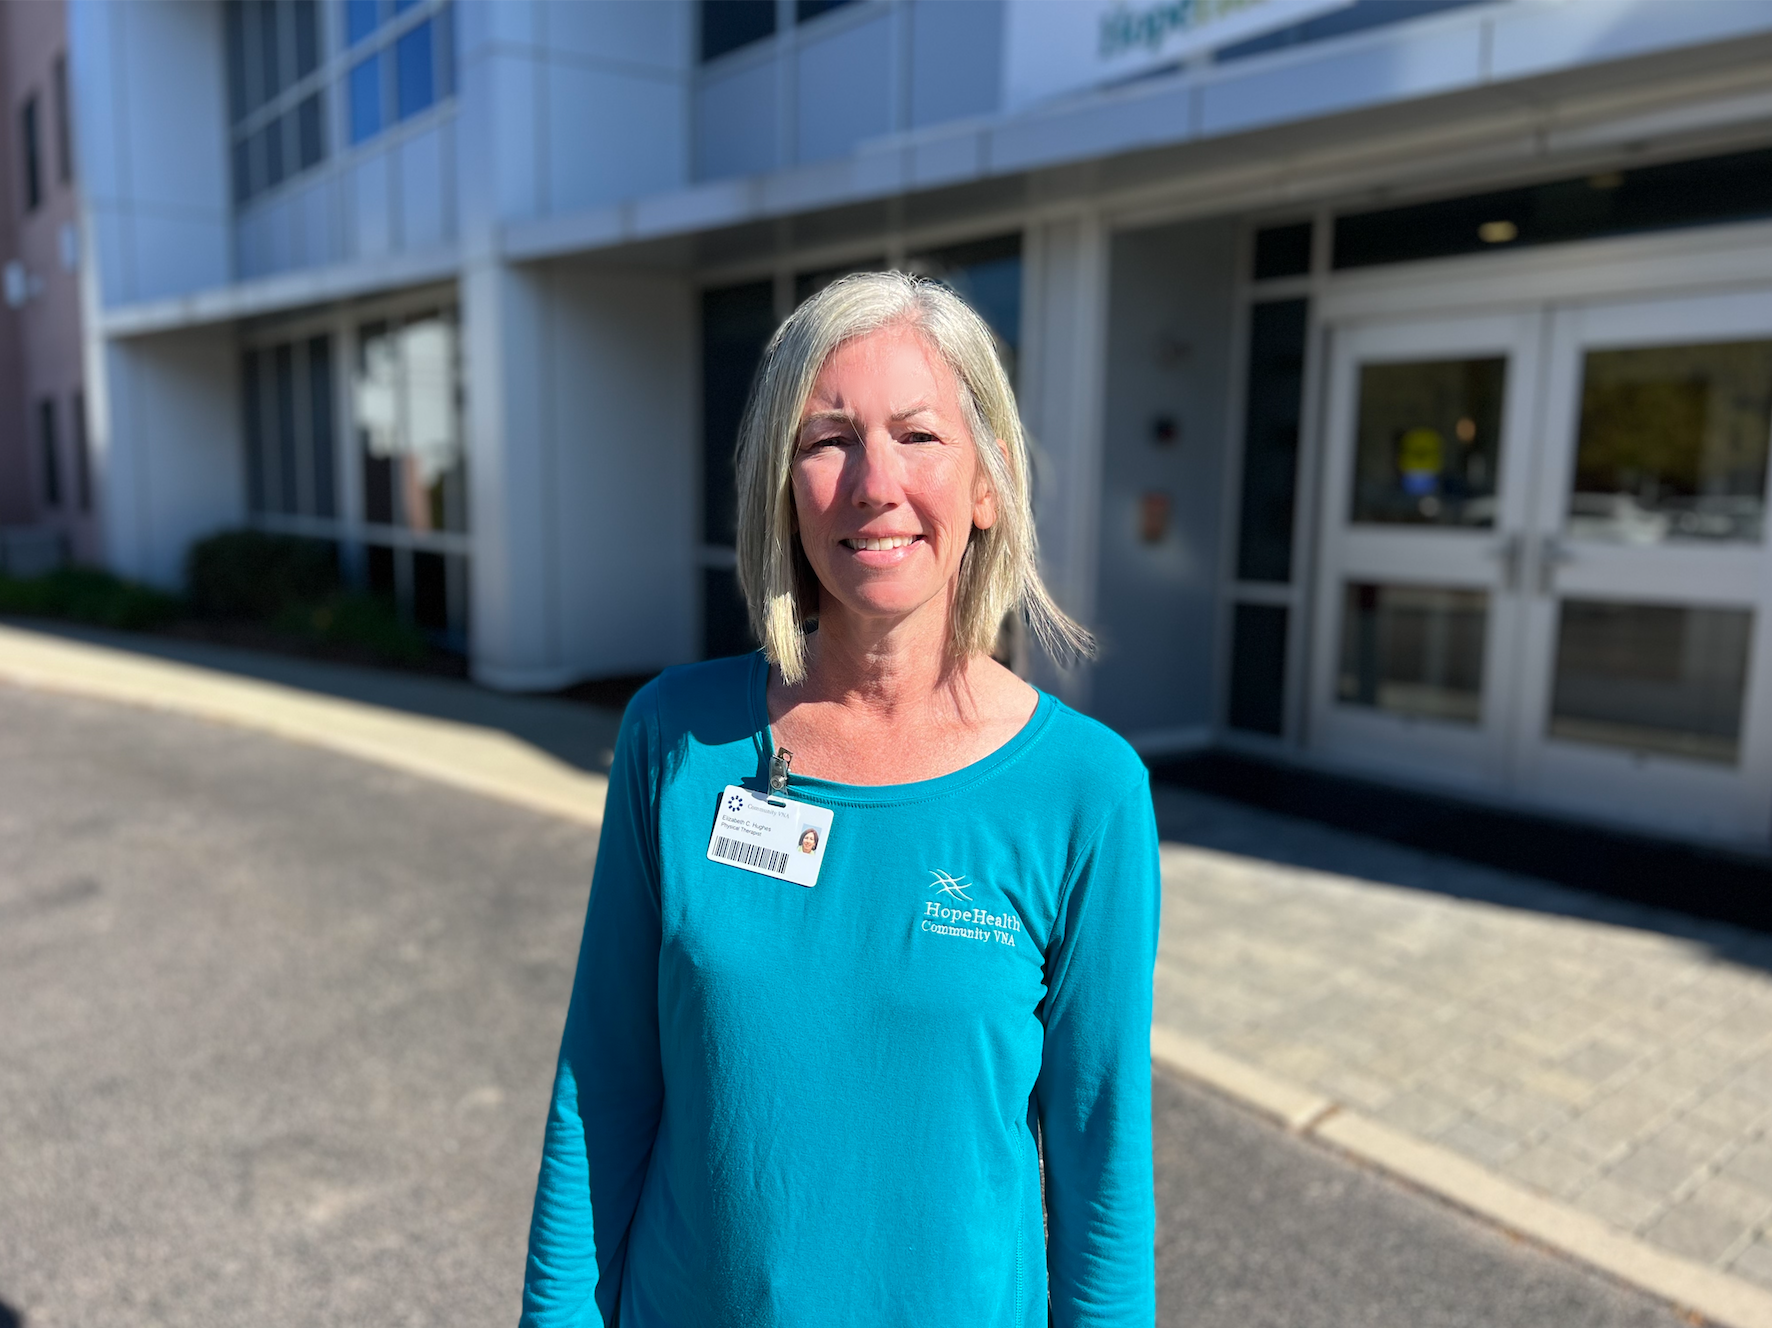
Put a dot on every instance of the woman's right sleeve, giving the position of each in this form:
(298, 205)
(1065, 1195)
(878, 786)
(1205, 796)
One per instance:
(609, 1084)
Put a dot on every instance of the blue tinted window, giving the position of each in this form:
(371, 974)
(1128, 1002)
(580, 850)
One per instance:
(415, 82)
(366, 99)
(401, 6)
(360, 19)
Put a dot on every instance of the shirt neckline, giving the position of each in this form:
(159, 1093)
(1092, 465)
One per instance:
(829, 790)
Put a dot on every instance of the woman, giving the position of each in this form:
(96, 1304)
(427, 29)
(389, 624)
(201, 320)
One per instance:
(798, 1091)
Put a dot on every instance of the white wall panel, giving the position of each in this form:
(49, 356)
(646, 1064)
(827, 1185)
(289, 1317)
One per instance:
(612, 136)
(956, 60)
(845, 90)
(371, 215)
(735, 123)
(642, 32)
(166, 436)
(1168, 354)
(418, 164)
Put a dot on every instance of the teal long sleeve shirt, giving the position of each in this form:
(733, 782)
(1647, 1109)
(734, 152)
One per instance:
(786, 1105)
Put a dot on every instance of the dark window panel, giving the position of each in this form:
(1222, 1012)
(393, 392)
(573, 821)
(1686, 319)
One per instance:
(810, 9)
(269, 50)
(28, 151)
(46, 437)
(445, 43)
(362, 17)
(727, 25)
(378, 570)
(253, 433)
(311, 132)
(242, 170)
(1356, 17)
(726, 627)
(288, 488)
(307, 37)
(1737, 187)
(1273, 403)
(82, 452)
(736, 323)
(430, 591)
(270, 150)
(1283, 251)
(1258, 669)
(234, 20)
(320, 407)
(366, 99)
(415, 80)
(808, 284)
(64, 127)
(987, 275)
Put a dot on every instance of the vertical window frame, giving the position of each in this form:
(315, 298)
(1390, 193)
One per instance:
(30, 152)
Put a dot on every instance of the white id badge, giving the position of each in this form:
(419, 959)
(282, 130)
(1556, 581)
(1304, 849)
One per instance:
(772, 837)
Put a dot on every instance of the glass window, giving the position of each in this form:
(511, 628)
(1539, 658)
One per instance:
(727, 25)
(1273, 403)
(307, 37)
(321, 447)
(254, 432)
(414, 82)
(987, 275)
(808, 284)
(362, 17)
(52, 467)
(407, 406)
(64, 126)
(366, 100)
(811, 9)
(269, 49)
(1672, 443)
(1428, 448)
(1283, 251)
(1651, 677)
(28, 159)
(82, 452)
(1736, 187)
(310, 135)
(288, 472)
(1414, 650)
(1258, 668)
(736, 323)
(270, 153)
(726, 624)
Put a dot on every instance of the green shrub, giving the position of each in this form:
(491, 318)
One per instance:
(252, 574)
(88, 595)
(350, 618)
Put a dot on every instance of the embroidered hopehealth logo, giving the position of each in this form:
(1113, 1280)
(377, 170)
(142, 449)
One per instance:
(947, 918)
(954, 887)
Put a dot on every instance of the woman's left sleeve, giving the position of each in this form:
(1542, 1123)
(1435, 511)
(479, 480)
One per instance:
(1094, 1089)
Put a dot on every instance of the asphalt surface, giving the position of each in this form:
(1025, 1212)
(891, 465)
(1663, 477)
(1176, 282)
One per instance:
(276, 1031)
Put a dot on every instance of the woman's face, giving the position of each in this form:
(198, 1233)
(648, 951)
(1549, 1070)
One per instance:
(887, 486)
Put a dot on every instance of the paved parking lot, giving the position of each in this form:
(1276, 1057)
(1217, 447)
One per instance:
(279, 1027)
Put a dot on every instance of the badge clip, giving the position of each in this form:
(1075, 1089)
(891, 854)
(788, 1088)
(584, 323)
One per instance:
(778, 770)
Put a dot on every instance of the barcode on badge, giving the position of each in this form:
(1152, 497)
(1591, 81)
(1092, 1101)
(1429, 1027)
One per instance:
(752, 855)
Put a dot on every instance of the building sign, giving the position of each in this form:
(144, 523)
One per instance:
(1053, 47)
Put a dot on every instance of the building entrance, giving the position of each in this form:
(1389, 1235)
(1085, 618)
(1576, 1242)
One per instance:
(1544, 570)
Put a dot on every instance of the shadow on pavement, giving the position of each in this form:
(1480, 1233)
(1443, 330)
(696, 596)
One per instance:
(578, 734)
(1718, 899)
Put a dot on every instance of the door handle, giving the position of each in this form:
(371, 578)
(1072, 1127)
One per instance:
(1552, 554)
(1507, 552)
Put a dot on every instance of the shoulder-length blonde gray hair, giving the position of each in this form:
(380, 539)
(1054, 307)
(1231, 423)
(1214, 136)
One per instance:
(999, 570)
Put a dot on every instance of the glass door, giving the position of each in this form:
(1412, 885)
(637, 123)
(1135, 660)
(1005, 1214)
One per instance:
(1646, 653)
(1426, 494)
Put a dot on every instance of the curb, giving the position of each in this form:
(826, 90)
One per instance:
(1717, 1296)
(467, 756)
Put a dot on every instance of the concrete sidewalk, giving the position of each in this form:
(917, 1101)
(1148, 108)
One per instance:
(1595, 1076)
